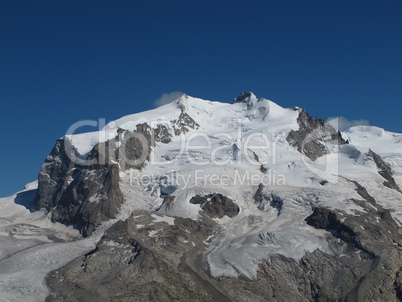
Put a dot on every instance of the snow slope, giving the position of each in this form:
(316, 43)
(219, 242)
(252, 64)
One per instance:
(31, 246)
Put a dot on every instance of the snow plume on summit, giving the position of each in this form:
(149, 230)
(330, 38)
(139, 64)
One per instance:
(167, 98)
(342, 123)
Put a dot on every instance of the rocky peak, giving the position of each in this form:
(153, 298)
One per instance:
(182, 102)
(76, 194)
(247, 98)
(312, 133)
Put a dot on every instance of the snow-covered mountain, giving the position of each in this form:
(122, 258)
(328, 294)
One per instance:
(210, 201)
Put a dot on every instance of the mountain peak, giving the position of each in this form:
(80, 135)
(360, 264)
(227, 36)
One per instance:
(182, 102)
(245, 97)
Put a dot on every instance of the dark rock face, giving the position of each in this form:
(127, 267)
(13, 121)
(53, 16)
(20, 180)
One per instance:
(384, 170)
(324, 218)
(243, 97)
(216, 205)
(136, 147)
(93, 197)
(276, 202)
(162, 134)
(271, 199)
(250, 100)
(83, 196)
(311, 132)
(184, 123)
(52, 176)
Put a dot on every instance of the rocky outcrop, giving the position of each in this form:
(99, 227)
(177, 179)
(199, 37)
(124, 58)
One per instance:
(52, 176)
(267, 200)
(243, 97)
(136, 146)
(216, 205)
(162, 134)
(384, 170)
(312, 135)
(184, 123)
(258, 196)
(247, 98)
(168, 203)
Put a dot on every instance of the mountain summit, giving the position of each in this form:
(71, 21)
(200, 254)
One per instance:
(245, 97)
(212, 201)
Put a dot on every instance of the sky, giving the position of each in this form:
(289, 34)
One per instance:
(66, 61)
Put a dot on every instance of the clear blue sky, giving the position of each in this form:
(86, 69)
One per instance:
(64, 61)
